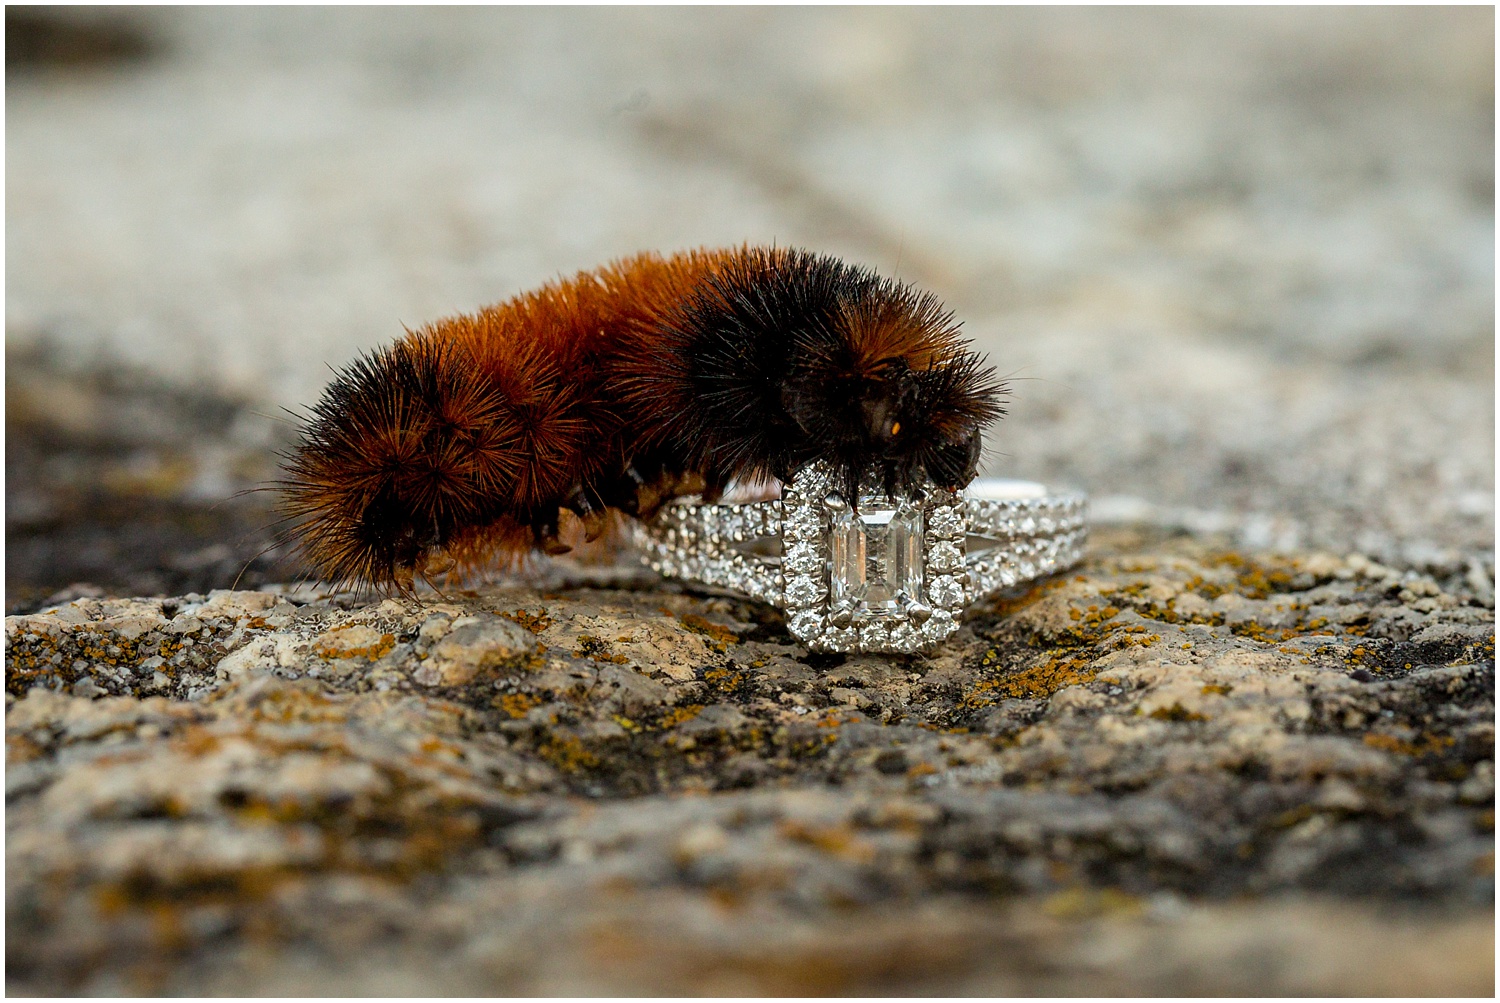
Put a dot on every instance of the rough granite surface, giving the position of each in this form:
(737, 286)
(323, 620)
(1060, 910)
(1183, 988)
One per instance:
(1239, 264)
(1177, 769)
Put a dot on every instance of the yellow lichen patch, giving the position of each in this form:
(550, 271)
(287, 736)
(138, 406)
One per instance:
(34, 655)
(1255, 582)
(567, 753)
(517, 704)
(1427, 745)
(1092, 616)
(1246, 578)
(720, 638)
(724, 680)
(678, 715)
(1093, 632)
(1316, 627)
(1253, 579)
(353, 641)
(29, 652)
(1130, 637)
(1367, 657)
(1034, 683)
(534, 622)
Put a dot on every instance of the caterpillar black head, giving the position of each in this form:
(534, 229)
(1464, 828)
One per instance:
(794, 357)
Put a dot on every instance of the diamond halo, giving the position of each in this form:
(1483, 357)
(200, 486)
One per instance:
(891, 575)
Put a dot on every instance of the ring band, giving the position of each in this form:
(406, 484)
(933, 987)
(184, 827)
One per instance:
(893, 577)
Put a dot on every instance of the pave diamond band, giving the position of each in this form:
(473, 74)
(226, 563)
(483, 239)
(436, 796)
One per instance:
(890, 575)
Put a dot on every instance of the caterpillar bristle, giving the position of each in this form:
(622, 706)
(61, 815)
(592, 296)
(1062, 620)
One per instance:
(480, 439)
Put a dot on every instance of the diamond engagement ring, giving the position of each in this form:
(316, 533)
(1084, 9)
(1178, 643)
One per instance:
(893, 577)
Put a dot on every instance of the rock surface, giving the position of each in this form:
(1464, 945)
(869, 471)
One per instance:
(1177, 769)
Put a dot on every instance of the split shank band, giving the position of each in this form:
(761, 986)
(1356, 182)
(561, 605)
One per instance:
(893, 577)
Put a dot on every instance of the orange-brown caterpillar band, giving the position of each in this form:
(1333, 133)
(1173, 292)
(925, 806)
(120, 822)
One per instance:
(460, 445)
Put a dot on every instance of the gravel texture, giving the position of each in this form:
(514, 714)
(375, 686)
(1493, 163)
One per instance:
(1240, 265)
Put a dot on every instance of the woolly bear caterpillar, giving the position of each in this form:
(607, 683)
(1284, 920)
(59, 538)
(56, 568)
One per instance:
(462, 444)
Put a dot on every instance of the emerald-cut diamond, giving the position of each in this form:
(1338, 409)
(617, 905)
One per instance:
(873, 576)
(875, 558)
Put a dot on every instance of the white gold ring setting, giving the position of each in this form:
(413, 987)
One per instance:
(892, 576)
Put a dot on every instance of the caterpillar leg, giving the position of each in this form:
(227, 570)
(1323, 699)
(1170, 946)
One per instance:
(585, 503)
(544, 530)
(648, 483)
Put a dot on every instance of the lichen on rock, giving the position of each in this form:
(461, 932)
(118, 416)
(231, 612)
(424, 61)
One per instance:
(1171, 735)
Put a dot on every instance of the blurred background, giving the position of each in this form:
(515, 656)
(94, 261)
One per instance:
(1238, 262)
